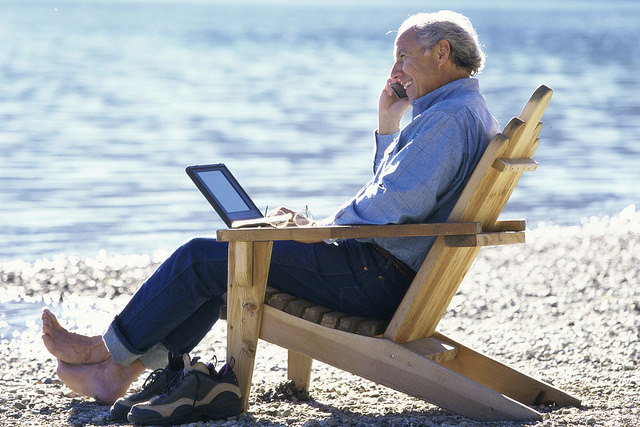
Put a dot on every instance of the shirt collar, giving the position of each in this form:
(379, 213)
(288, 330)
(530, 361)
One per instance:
(425, 102)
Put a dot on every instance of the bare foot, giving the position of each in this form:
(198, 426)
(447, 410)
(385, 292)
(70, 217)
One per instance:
(70, 347)
(105, 381)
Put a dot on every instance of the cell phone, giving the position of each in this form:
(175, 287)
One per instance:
(399, 90)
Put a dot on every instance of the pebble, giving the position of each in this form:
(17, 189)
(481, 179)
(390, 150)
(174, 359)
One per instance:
(564, 307)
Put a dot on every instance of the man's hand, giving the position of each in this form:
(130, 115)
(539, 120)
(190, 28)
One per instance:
(297, 220)
(391, 109)
(281, 210)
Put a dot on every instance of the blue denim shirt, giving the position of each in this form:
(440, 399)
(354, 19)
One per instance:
(420, 172)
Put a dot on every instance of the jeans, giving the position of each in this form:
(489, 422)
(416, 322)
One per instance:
(180, 302)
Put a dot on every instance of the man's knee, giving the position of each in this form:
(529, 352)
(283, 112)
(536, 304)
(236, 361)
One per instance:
(202, 248)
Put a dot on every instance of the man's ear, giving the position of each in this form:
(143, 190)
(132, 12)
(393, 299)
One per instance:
(443, 51)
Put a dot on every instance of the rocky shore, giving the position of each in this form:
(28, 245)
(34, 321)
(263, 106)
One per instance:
(565, 308)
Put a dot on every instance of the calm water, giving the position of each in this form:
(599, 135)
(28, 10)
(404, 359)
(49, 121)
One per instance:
(103, 104)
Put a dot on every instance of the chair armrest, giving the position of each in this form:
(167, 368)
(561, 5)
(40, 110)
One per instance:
(347, 231)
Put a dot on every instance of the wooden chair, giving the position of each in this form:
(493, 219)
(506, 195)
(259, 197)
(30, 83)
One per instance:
(411, 356)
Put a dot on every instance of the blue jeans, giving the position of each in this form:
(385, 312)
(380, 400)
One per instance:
(175, 308)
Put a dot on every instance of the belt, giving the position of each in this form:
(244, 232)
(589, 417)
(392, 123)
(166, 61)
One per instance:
(403, 268)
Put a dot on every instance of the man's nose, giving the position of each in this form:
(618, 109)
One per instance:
(396, 70)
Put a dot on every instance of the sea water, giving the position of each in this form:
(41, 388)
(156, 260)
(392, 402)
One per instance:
(104, 103)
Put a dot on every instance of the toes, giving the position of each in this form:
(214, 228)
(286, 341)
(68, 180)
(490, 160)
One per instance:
(50, 320)
(47, 327)
(47, 317)
(54, 321)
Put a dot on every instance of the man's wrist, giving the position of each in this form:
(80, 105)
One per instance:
(386, 129)
(388, 125)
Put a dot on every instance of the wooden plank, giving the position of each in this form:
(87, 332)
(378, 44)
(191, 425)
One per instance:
(515, 165)
(372, 328)
(393, 365)
(509, 225)
(332, 319)
(537, 104)
(504, 379)
(347, 231)
(299, 370)
(297, 307)
(485, 239)
(248, 272)
(242, 263)
(314, 314)
(433, 348)
(493, 189)
(485, 198)
(430, 293)
(280, 300)
(350, 323)
(479, 180)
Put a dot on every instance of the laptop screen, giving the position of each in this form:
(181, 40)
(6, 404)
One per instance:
(228, 197)
(224, 193)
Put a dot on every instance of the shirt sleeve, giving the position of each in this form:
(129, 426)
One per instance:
(382, 143)
(410, 176)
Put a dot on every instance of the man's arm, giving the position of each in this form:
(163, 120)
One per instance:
(391, 109)
(407, 186)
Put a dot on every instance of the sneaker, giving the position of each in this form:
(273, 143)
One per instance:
(156, 382)
(200, 394)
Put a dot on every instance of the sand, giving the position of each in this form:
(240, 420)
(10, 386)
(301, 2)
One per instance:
(565, 308)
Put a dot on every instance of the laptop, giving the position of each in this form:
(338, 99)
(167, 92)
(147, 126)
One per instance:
(228, 198)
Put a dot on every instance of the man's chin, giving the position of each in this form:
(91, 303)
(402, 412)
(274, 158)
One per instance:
(412, 93)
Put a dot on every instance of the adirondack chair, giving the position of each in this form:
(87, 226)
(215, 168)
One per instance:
(410, 356)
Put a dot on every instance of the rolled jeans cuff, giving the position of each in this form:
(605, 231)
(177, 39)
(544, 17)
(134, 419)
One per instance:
(154, 358)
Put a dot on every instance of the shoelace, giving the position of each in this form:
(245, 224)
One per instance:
(172, 385)
(227, 367)
(213, 364)
(153, 376)
(171, 382)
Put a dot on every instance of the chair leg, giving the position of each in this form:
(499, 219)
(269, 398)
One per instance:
(248, 271)
(299, 370)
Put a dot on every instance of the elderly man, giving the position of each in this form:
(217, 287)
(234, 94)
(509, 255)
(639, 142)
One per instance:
(418, 173)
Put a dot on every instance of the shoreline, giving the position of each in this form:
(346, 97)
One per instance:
(158, 255)
(563, 308)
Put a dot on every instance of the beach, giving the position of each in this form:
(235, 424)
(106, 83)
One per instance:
(104, 104)
(564, 308)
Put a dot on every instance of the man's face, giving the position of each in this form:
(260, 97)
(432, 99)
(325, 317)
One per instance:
(418, 72)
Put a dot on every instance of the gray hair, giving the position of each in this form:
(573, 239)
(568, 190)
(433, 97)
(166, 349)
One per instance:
(450, 26)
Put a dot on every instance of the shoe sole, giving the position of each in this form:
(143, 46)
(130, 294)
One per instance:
(219, 408)
(119, 411)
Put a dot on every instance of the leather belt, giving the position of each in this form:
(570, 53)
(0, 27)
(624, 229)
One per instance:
(403, 268)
